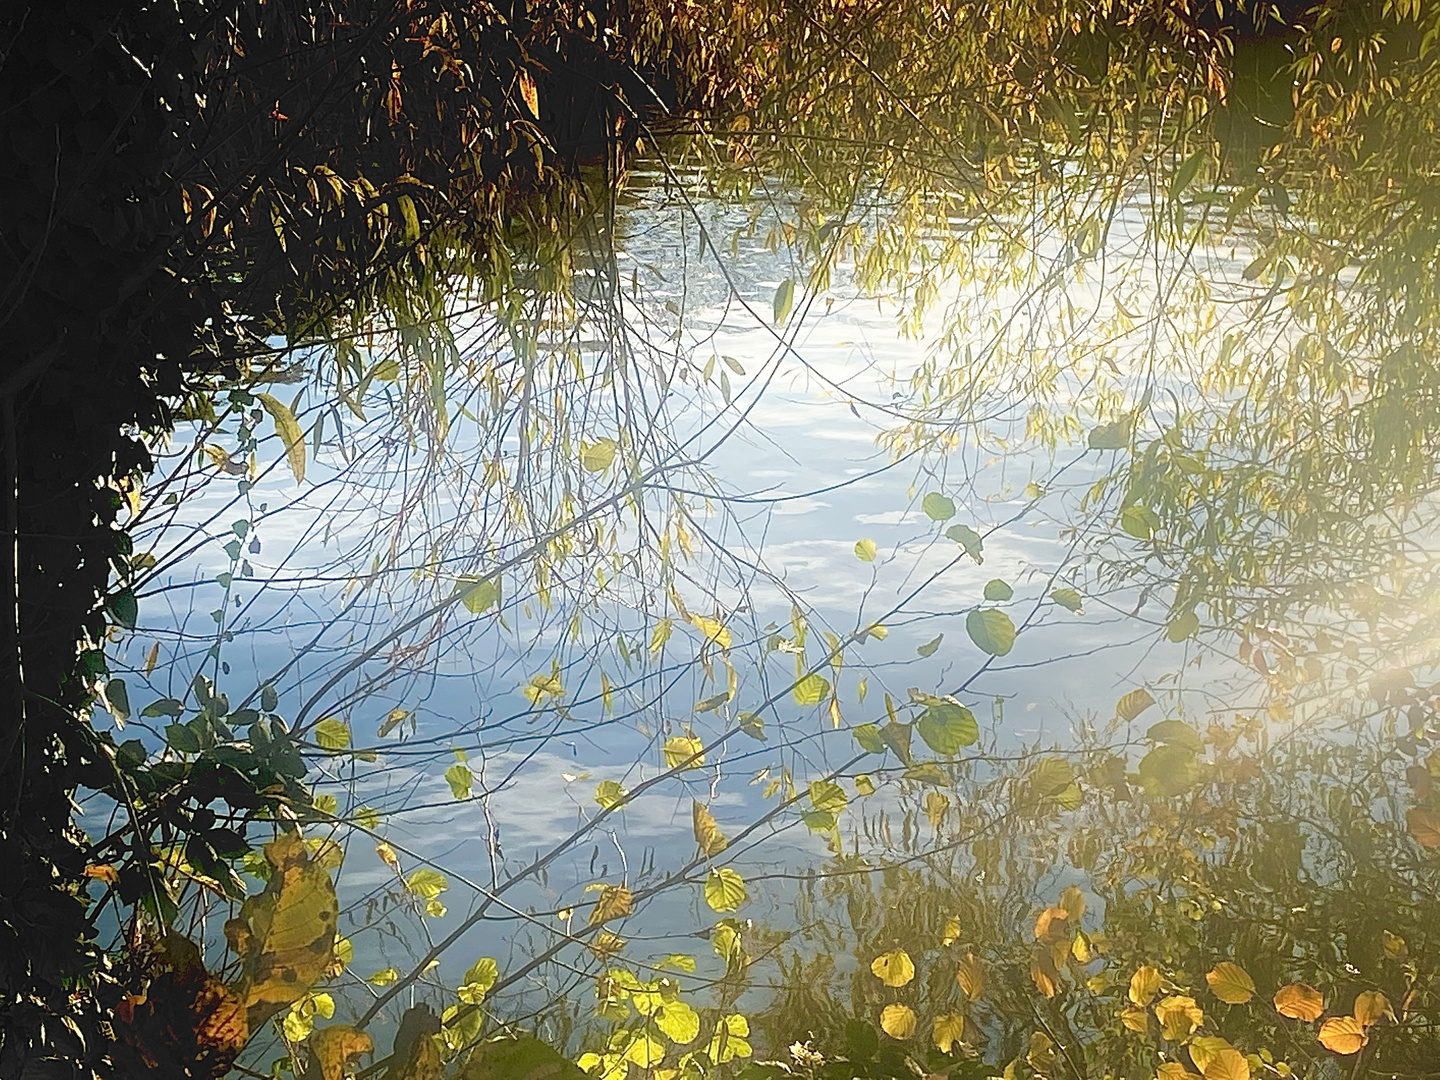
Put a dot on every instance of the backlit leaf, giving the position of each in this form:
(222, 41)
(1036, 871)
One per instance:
(947, 727)
(1370, 1006)
(997, 590)
(1069, 599)
(947, 1029)
(971, 976)
(1424, 826)
(1230, 983)
(865, 550)
(332, 734)
(897, 1021)
(1227, 1064)
(1144, 985)
(991, 630)
(615, 902)
(685, 751)
(598, 456)
(707, 833)
(1299, 1001)
(290, 434)
(893, 968)
(335, 1046)
(426, 883)
(811, 690)
(725, 889)
(1343, 1035)
(1133, 704)
(784, 300)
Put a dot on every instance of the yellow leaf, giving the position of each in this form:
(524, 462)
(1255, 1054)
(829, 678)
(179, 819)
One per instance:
(529, 93)
(1072, 900)
(897, 1021)
(1206, 1048)
(1395, 947)
(684, 751)
(1299, 1001)
(1173, 1070)
(1230, 983)
(615, 902)
(1136, 1019)
(1179, 1015)
(1343, 1035)
(952, 930)
(388, 856)
(1228, 1064)
(893, 968)
(1144, 985)
(335, 1045)
(865, 550)
(971, 976)
(1424, 825)
(947, 1030)
(290, 434)
(597, 456)
(707, 833)
(713, 629)
(1370, 1006)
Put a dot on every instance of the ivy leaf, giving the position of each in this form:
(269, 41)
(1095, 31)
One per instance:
(991, 630)
(725, 889)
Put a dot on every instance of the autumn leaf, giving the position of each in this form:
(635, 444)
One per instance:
(1424, 826)
(1230, 983)
(1144, 985)
(289, 431)
(1299, 1001)
(1370, 1006)
(971, 976)
(707, 833)
(1343, 1035)
(335, 1045)
(725, 889)
(897, 1021)
(893, 968)
(1228, 1064)
(615, 902)
(1179, 1016)
(946, 1030)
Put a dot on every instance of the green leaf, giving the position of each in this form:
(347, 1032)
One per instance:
(368, 818)
(1176, 733)
(928, 649)
(938, 507)
(947, 727)
(868, 736)
(927, 772)
(991, 630)
(289, 430)
(1069, 599)
(1182, 626)
(969, 539)
(608, 793)
(183, 738)
(1169, 770)
(897, 737)
(865, 550)
(998, 591)
(811, 690)
(119, 698)
(828, 796)
(1140, 522)
(598, 456)
(269, 699)
(482, 596)
(426, 883)
(1185, 174)
(784, 300)
(459, 777)
(478, 980)
(332, 734)
(167, 706)
(124, 609)
(818, 820)
(1112, 436)
(1050, 776)
(725, 889)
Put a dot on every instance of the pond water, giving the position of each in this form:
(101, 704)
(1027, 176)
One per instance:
(782, 424)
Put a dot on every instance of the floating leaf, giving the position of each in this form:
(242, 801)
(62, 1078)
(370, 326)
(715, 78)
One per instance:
(332, 734)
(947, 1030)
(897, 1021)
(938, 507)
(289, 430)
(1230, 983)
(725, 889)
(947, 727)
(1069, 599)
(598, 456)
(707, 833)
(1133, 704)
(991, 630)
(998, 590)
(1343, 1035)
(893, 968)
(811, 690)
(865, 550)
